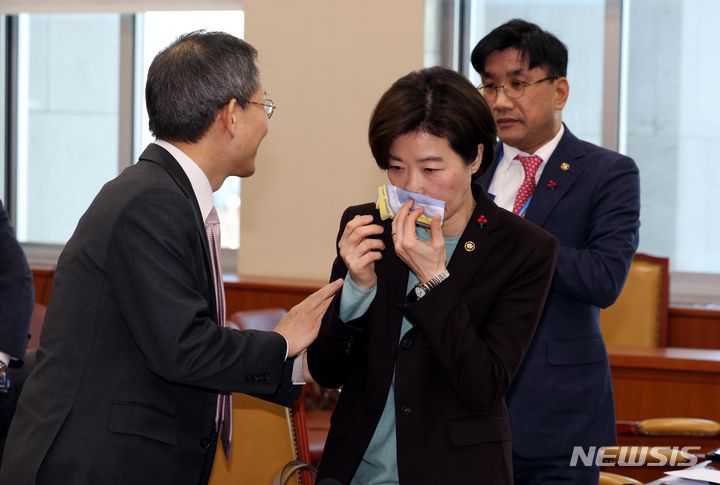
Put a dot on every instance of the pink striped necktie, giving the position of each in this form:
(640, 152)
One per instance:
(223, 411)
(530, 165)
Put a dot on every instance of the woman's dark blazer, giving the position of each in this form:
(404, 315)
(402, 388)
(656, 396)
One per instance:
(453, 368)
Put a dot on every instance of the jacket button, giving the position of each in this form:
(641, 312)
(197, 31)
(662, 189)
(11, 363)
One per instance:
(406, 343)
(205, 444)
(405, 410)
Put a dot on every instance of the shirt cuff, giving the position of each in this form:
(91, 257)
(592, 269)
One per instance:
(297, 371)
(5, 358)
(287, 345)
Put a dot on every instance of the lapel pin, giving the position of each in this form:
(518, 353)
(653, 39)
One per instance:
(564, 166)
(482, 220)
(469, 246)
(551, 184)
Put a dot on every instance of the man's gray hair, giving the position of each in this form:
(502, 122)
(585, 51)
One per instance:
(195, 76)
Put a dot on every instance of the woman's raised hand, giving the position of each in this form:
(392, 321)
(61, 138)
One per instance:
(425, 258)
(359, 250)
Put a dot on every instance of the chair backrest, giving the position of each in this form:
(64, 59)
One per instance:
(614, 479)
(266, 436)
(639, 317)
(263, 441)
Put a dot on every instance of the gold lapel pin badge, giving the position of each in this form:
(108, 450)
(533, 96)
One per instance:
(564, 166)
(469, 246)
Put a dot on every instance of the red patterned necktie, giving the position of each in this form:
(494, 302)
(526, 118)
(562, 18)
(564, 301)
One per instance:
(530, 164)
(223, 411)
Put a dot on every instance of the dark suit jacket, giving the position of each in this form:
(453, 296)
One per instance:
(562, 396)
(452, 368)
(131, 358)
(16, 306)
(16, 293)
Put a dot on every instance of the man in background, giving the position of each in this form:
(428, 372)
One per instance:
(589, 198)
(135, 366)
(16, 305)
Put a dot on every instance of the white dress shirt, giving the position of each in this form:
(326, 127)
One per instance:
(509, 175)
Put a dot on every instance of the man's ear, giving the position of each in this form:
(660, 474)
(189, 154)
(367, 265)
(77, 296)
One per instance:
(228, 117)
(562, 91)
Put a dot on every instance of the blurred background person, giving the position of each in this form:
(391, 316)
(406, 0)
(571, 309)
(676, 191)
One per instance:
(17, 298)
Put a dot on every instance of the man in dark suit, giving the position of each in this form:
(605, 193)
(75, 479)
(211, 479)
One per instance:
(16, 306)
(131, 359)
(588, 197)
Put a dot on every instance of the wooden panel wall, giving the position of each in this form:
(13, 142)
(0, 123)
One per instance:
(691, 327)
(654, 383)
(254, 293)
(669, 382)
(694, 327)
(43, 279)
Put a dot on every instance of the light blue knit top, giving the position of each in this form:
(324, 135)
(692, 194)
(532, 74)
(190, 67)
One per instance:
(379, 464)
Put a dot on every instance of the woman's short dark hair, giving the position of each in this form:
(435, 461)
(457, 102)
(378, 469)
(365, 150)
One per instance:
(192, 78)
(439, 102)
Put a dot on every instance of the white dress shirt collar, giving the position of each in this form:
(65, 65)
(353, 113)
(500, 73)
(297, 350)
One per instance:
(199, 181)
(544, 152)
(509, 175)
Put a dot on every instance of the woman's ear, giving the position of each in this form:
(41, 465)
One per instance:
(475, 165)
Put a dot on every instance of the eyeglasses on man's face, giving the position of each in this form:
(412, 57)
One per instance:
(513, 89)
(267, 104)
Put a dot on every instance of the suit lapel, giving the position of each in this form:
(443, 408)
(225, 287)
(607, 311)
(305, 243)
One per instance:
(157, 154)
(476, 241)
(560, 173)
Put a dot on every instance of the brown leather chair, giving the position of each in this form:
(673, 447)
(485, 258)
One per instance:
(318, 426)
(702, 428)
(310, 427)
(319, 404)
(615, 479)
(317, 401)
(266, 437)
(639, 317)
